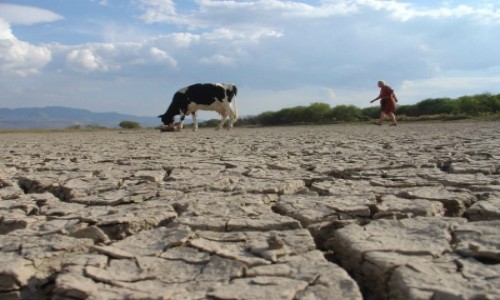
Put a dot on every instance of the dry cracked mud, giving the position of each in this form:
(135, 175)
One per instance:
(316, 212)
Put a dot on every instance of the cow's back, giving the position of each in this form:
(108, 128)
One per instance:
(205, 93)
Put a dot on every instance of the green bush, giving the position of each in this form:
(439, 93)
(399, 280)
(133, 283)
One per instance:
(345, 113)
(484, 106)
(210, 123)
(129, 125)
(95, 127)
(74, 127)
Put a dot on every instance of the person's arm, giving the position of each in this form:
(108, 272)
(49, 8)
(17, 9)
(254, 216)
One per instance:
(394, 96)
(376, 99)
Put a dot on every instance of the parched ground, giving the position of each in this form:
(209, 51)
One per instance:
(316, 212)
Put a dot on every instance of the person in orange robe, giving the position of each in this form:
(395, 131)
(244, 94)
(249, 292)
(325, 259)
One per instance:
(388, 102)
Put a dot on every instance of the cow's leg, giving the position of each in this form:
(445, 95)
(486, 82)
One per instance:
(222, 121)
(232, 118)
(195, 121)
(229, 111)
(181, 123)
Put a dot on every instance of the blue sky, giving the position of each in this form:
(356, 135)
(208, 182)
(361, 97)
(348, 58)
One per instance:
(131, 56)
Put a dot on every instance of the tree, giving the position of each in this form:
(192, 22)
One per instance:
(322, 113)
(268, 118)
(487, 103)
(291, 115)
(407, 110)
(468, 105)
(210, 123)
(436, 107)
(248, 120)
(345, 113)
(129, 125)
(371, 112)
(316, 112)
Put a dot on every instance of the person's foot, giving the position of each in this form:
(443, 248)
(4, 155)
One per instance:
(377, 123)
(394, 124)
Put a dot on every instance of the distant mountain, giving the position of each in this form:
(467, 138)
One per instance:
(55, 117)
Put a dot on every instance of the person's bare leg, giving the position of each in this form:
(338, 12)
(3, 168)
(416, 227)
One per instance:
(393, 117)
(381, 119)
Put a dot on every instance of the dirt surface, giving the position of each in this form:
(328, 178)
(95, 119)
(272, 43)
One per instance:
(306, 212)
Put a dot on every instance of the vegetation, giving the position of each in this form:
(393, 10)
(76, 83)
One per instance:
(484, 106)
(210, 123)
(86, 127)
(129, 125)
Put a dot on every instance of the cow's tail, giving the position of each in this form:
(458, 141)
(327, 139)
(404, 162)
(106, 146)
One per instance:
(233, 103)
(234, 109)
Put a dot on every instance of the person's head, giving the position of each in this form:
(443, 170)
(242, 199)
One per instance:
(381, 83)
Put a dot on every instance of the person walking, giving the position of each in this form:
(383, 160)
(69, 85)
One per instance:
(388, 102)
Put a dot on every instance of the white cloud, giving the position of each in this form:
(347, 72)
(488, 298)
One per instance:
(101, 2)
(183, 39)
(117, 57)
(452, 87)
(155, 11)
(19, 57)
(26, 15)
(228, 13)
(236, 24)
(405, 11)
(253, 35)
(162, 57)
(86, 60)
(281, 8)
(218, 59)
(330, 93)
(266, 12)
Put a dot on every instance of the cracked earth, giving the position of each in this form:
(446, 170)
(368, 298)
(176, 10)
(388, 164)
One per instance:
(316, 212)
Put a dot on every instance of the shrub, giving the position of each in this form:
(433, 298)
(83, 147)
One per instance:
(95, 127)
(74, 127)
(210, 123)
(129, 125)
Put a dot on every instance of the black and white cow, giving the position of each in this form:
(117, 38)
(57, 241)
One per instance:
(219, 97)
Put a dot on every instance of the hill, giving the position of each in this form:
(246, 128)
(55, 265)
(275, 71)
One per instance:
(56, 117)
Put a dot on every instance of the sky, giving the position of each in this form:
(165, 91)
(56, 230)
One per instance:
(131, 56)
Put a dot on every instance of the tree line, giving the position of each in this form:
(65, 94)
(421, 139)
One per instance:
(464, 107)
(322, 113)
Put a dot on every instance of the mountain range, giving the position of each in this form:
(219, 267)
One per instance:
(57, 117)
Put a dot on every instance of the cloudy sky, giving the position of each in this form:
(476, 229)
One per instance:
(130, 56)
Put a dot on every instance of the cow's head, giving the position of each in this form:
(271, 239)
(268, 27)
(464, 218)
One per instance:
(167, 119)
(173, 109)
